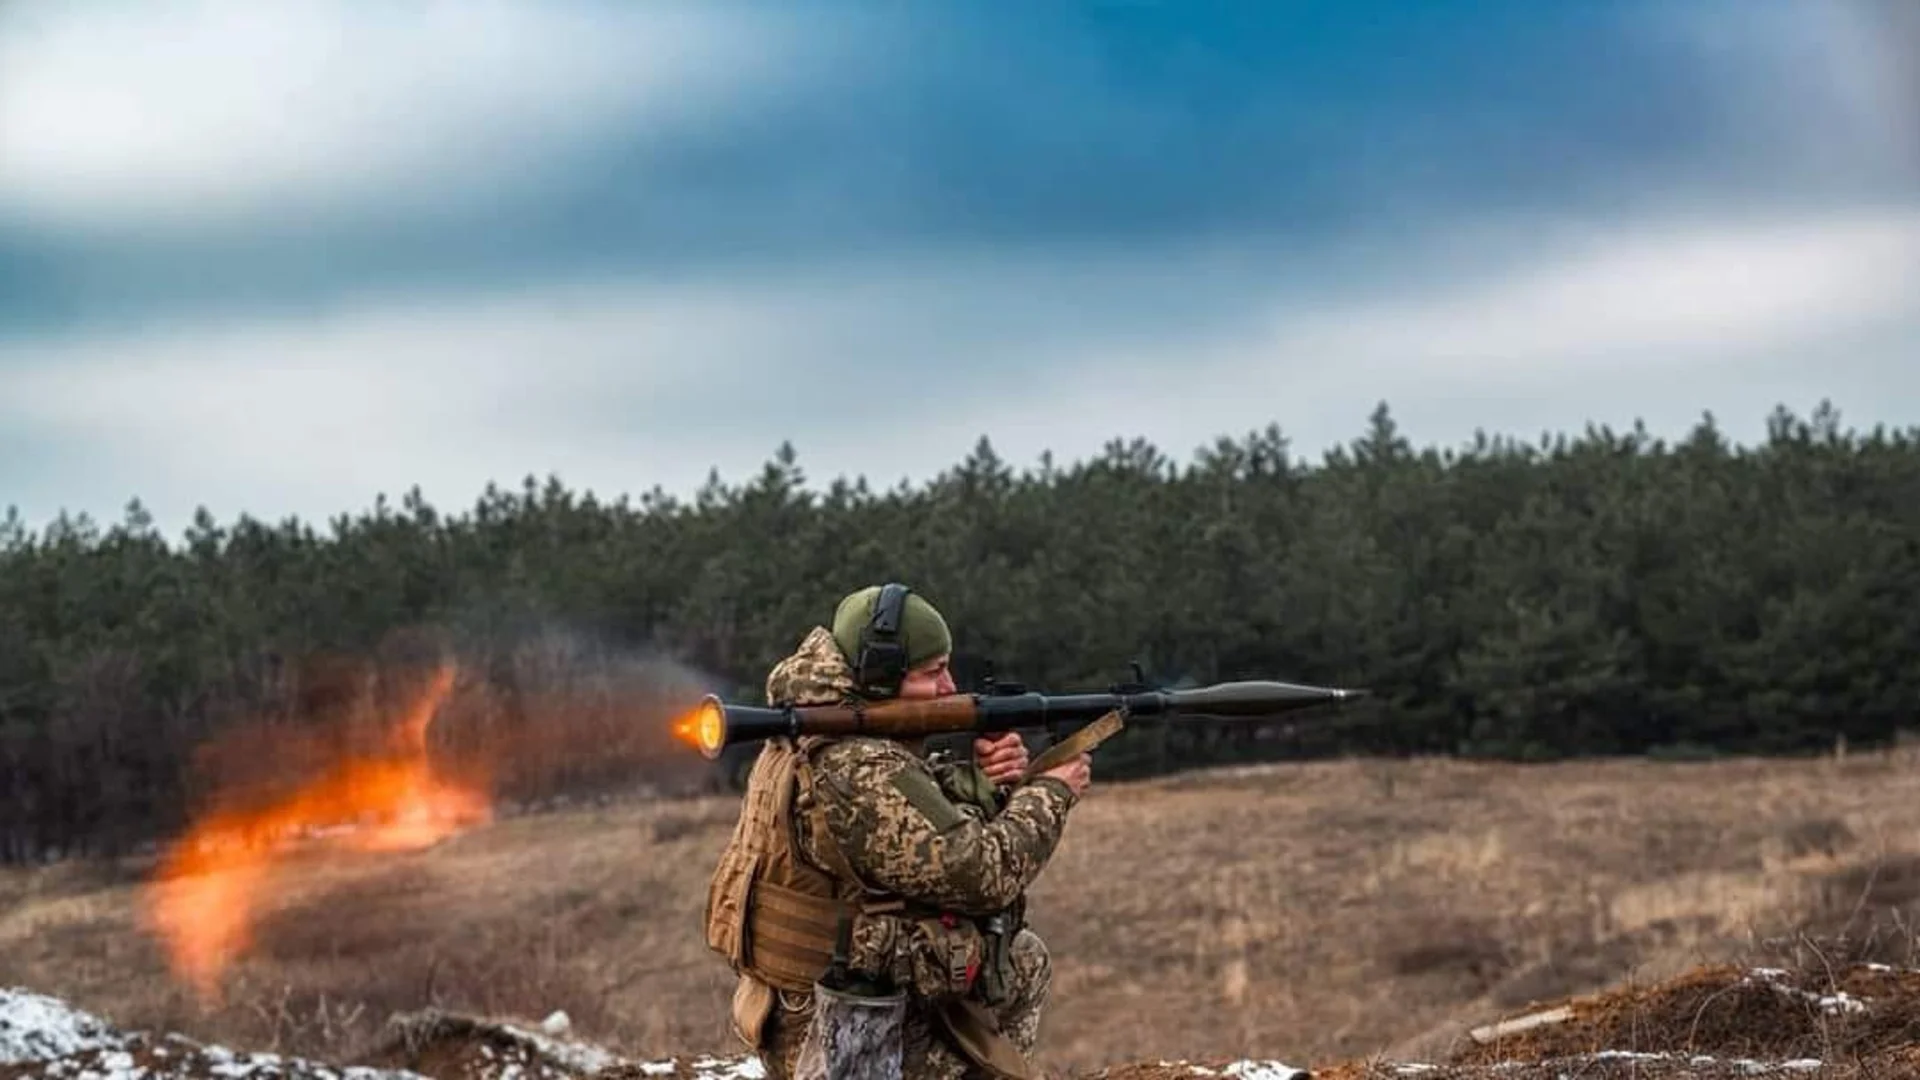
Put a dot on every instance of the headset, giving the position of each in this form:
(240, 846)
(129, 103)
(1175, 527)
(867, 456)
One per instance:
(881, 665)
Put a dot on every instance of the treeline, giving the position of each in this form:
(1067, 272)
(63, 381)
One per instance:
(1603, 594)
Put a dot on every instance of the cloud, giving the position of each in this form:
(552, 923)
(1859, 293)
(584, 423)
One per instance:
(169, 118)
(893, 369)
(1823, 95)
(1515, 331)
(1629, 300)
(234, 162)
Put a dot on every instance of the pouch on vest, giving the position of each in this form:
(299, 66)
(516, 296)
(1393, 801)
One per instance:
(753, 1003)
(852, 1036)
(996, 970)
(944, 956)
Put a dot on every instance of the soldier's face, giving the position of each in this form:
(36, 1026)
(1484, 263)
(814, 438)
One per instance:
(930, 680)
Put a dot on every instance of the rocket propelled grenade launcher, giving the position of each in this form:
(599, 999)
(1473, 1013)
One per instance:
(1077, 721)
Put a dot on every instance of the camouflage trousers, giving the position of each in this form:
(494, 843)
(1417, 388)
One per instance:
(929, 1053)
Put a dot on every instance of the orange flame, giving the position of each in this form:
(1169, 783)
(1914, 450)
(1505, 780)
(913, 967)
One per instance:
(211, 882)
(686, 728)
(701, 727)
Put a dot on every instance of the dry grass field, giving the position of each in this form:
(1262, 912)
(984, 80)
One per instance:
(1311, 913)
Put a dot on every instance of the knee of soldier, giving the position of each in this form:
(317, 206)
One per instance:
(1031, 960)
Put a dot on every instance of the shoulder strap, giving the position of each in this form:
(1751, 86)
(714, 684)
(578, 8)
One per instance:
(816, 816)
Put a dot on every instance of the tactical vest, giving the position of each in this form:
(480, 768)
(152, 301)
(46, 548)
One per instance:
(770, 913)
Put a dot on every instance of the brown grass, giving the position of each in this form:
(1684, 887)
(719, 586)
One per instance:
(1309, 913)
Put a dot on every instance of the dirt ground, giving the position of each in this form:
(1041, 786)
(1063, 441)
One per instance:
(1824, 1018)
(1322, 914)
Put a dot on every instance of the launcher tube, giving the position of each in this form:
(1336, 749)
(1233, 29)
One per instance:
(720, 724)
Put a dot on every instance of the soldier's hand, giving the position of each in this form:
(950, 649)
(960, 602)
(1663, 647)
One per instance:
(1076, 774)
(1003, 758)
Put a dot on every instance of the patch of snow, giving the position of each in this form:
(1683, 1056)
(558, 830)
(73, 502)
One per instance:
(1830, 1004)
(712, 1068)
(557, 1023)
(1841, 1002)
(34, 1027)
(78, 1045)
(1265, 1070)
(574, 1057)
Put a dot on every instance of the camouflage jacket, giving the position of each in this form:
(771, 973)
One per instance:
(906, 827)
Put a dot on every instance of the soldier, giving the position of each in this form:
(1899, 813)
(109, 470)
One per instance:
(862, 871)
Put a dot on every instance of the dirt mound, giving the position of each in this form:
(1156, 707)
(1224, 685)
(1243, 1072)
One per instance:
(1762, 1013)
(45, 1037)
(450, 1046)
(1846, 1020)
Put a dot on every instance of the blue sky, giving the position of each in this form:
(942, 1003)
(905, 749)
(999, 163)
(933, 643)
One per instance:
(276, 259)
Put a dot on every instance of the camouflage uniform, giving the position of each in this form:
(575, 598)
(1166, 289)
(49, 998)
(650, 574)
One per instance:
(919, 832)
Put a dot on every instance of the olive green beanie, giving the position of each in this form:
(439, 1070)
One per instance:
(923, 631)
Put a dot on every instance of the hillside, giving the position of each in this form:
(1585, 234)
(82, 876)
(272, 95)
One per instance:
(1311, 914)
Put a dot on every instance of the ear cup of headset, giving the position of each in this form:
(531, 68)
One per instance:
(882, 662)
